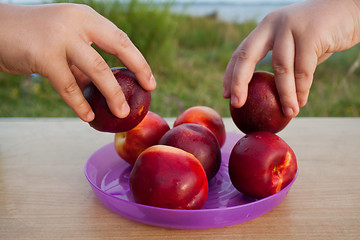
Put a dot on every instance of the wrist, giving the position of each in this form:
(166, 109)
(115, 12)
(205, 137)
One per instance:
(356, 16)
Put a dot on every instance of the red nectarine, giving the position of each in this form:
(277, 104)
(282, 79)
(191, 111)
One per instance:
(262, 110)
(199, 141)
(261, 164)
(147, 133)
(137, 98)
(168, 177)
(206, 117)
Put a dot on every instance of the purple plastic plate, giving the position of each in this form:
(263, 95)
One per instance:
(108, 176)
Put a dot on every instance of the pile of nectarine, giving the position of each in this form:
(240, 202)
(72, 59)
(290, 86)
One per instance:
(172, 166)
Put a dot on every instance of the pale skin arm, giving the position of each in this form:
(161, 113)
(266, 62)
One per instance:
(300, 37)
(55, 40)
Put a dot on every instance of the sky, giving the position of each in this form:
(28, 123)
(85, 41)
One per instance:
(214, 1)
(237, 1)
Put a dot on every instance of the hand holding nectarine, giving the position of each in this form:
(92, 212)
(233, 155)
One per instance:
(56, 42)
(262, 109)
(138, 99)
(300, 36)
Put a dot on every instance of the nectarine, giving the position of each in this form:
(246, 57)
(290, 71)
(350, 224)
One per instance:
(262, 110)
(168, 177)
(147, 133)
(199, 141)
(261, 164)
(137, 98)
(206, 117)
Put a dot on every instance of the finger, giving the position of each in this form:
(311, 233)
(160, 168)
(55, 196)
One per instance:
(305, 65)
(82, 80)
(228, 76)
(283, 66)
(249, 53)
(88, 61)
(112, 40)
(244, 68)
(64, 83)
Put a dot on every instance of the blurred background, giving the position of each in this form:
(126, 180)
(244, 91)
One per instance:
(188, 44)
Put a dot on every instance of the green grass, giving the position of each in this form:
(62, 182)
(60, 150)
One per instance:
(188, 56)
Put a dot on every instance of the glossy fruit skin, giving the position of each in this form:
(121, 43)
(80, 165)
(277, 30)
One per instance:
(138, 99)
(199, 141)
(147, 133)
(261, 164)
(206, 117)
(168, 177)
(262, 110)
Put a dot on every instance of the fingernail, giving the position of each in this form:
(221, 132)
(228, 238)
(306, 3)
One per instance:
(234, 100)
(288, 111)
(153, 81)
(224, 93)
(125, 109)
(90, 116)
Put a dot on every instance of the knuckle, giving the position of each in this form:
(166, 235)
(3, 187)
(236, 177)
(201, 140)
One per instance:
(278, 17)
(99, 65)
(302, 75)
(124, 40)
(68, 15)
(84, 105)
(270, 17)
(241, 55)
(286, 98)
(84, 8)
(280, 68)
(118, 93)
(303, 81)
(236, 84)
(71, 88)
(79, 10)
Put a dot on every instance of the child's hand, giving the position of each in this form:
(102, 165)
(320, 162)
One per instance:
(300, 36)
(55, 41)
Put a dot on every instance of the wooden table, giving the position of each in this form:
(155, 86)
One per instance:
(45, 195)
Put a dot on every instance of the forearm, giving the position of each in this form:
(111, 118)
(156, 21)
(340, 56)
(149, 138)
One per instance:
(12, 42)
